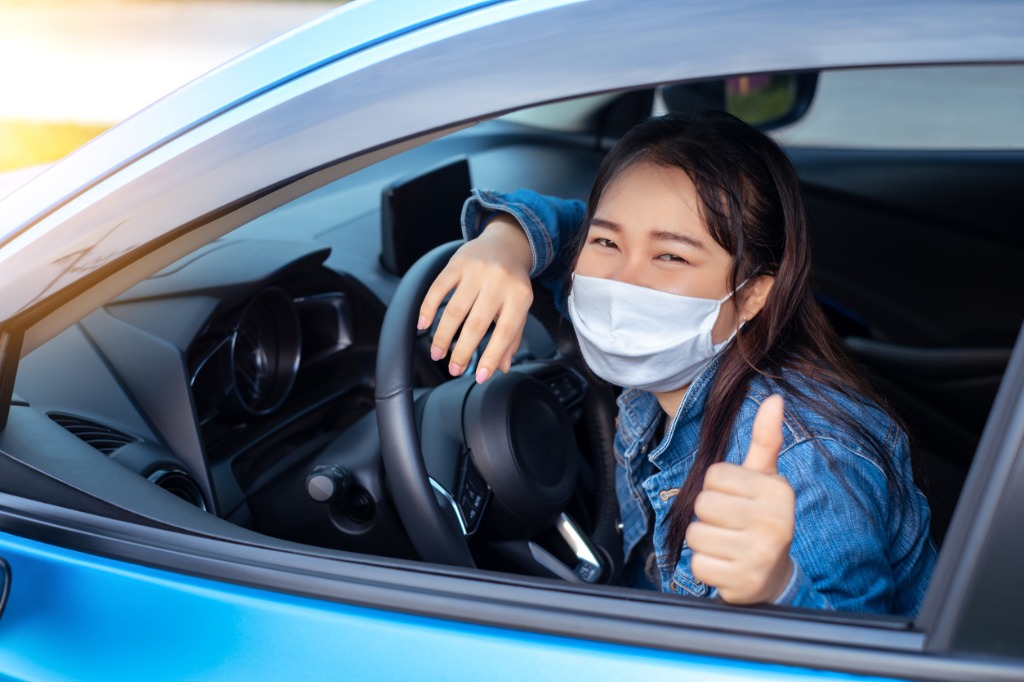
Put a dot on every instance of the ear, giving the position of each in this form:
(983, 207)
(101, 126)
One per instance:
(753, 296)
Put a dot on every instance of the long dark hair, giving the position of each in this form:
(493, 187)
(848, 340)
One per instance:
(752, 207)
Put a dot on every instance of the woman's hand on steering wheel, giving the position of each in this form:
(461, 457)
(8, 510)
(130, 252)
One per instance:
(490, 276)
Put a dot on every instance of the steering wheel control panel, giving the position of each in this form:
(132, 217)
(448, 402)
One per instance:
(473, 494)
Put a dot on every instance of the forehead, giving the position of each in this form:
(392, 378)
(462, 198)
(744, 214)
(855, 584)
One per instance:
(649, 192)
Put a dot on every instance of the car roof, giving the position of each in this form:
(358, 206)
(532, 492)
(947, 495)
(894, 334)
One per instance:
(274, 123)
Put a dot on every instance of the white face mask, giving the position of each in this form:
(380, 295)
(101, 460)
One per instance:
(643, 338)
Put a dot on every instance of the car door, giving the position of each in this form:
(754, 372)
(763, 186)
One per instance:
(96, 588)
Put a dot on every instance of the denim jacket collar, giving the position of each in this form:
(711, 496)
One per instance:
(639, 413)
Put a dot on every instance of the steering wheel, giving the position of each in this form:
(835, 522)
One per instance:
(496, 460)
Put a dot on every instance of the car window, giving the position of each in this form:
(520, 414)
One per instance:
(936, 107)
(937, 346)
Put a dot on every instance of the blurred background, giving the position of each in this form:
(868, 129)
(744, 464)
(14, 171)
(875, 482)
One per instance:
(70, 69)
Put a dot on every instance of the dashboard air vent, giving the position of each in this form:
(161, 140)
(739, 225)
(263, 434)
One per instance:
(103, 438)
(179, 483)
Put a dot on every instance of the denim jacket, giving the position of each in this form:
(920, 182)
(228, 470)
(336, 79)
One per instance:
(859, 543)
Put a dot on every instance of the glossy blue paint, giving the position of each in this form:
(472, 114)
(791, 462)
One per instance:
(76, 616)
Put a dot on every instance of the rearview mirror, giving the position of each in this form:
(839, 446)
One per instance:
(765, 101)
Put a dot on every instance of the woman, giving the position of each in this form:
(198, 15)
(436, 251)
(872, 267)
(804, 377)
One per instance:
(689, 286)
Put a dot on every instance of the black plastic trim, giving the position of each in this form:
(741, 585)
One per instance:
(975, 580)
(10, 353)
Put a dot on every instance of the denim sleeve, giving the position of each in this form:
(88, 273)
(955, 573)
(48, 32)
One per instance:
(840, 542)
(550, 224)
(800, 592)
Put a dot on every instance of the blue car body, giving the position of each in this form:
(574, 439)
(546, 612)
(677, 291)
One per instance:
(81, 616)
(96, 596)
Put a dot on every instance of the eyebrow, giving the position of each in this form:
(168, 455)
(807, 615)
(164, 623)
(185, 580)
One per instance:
(660, 235)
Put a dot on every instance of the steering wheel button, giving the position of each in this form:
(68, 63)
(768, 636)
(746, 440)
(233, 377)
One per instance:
(321, 488)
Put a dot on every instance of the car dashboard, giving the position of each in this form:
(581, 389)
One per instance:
(241, 377)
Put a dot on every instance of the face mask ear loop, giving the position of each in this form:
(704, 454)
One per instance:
(742, 324)
(731, 293)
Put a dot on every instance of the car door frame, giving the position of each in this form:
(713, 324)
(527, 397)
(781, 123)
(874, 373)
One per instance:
(947, 642)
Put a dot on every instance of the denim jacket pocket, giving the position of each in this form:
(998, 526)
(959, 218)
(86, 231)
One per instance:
(684, 583)
(678, 579)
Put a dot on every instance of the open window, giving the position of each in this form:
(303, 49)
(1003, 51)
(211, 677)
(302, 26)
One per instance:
(225, 377)
(278, 321)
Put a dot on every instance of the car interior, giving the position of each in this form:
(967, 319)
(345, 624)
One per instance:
(242, 383)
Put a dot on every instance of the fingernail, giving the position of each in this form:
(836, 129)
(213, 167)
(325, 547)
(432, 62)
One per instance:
(436, 353)
(454, 370)
(422, 324)
(481, 375)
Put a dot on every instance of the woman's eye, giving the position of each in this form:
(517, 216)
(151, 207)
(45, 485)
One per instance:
(672, 258)
(602, 241)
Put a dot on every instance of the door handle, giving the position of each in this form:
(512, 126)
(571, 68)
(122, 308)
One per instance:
(5, 584)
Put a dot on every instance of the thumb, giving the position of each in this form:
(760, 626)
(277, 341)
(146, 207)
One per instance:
(766, 437)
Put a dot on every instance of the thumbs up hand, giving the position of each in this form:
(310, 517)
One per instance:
(746, 517)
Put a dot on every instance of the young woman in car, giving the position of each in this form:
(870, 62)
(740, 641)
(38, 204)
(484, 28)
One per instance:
(754, 464)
